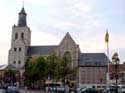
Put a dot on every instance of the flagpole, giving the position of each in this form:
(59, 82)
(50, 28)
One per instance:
(108, 54)
(107, 42)
(108, 60)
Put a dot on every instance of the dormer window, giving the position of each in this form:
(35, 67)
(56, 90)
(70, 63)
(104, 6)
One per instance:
(22, 35)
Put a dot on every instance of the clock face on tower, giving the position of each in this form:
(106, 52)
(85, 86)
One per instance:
(21, 15)
(21, 18)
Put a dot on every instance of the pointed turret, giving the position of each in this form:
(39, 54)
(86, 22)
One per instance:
(22, 18)
(22, 11)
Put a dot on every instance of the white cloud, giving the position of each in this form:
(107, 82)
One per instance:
(5, 34)
(43, 38)
(75, 16)
(65, 25)
(81, 7)
(38, 2)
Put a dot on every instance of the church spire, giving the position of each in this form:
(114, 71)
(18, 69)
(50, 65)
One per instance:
(22, 18)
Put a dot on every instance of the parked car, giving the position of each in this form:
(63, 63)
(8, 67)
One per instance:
(79, 90)
(2, 91)
(102, 90)
(60, 88)
(90, 90)
(52, 86)
(123, 90)
(12, 89)
(112, 89)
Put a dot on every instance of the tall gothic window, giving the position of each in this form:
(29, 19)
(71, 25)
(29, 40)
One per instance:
(19, 62)
(67, 55)
(16, 35)
(14, 62)
(22, 35)
(68, 58)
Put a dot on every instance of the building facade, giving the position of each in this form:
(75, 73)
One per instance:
(92, 67)
(120, 73)
(92, 70)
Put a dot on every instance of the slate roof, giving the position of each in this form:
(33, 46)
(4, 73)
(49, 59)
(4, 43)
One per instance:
(22, 11)
(8, 66)
(93, 59)
(40, 50)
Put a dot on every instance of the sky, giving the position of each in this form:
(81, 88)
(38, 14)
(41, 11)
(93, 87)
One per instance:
(49, 20)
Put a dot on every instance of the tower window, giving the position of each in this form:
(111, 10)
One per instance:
(19, 62)
(16, 35)
(14, 62)
(14, 49)
(19, 49)
(22, 35)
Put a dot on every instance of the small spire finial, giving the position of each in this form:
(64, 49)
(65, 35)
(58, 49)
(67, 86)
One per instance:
(107, 36)
(23, 3)
(14, 22)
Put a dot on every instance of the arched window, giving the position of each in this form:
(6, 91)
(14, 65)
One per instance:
(67, 56)
(15, 49)
(14, 62)
(22, 35)
(19, 62)
(16, 35)
(19, 49)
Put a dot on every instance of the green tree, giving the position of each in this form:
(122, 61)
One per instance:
(9, 76)
(30, 72)
(34, 70)
(55, 67)
(64, 70)
(41, 67)
(51, 63)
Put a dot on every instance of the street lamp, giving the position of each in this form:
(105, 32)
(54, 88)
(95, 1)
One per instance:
(115, 60)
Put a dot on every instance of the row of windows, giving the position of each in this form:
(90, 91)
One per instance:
(15, 49)
(19, 62)
(93, 82)
(16, 35)
(94, 70)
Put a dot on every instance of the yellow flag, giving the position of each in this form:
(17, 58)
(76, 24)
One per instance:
(107, 37)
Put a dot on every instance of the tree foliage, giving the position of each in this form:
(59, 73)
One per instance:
(9, 76)
(54, 67)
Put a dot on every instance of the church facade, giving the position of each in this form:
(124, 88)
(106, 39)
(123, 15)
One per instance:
(92, 67)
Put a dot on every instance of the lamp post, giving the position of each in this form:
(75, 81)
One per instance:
(115, 60)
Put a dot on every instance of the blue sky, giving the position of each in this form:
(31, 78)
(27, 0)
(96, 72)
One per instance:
(49, 20)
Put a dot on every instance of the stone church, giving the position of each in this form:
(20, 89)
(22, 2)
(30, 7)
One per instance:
(92, 67)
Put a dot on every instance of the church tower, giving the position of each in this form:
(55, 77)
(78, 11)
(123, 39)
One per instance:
(20, 41)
